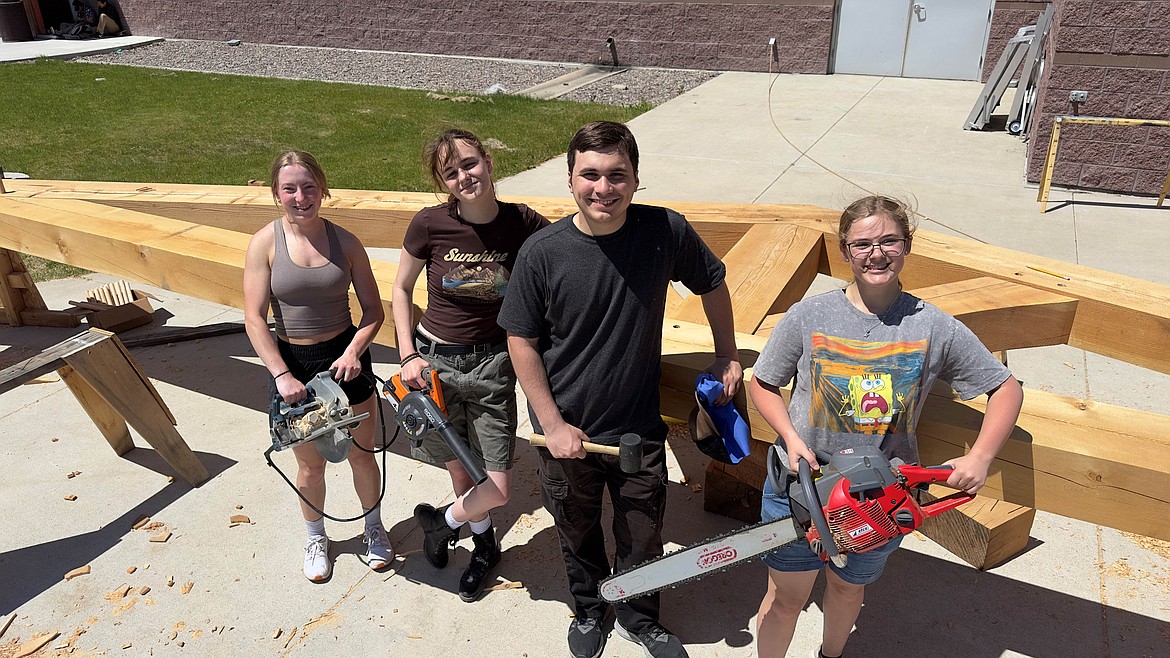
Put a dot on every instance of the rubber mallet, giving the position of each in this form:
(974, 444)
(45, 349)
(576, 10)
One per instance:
(628, 450)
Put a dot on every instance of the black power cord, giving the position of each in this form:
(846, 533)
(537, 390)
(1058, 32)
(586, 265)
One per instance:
(385, 446)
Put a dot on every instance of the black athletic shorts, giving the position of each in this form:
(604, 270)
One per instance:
(305, 361)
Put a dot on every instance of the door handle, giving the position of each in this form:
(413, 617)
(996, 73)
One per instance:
(920, 11)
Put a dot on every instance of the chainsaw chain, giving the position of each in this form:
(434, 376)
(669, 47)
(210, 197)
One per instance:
(691, 579)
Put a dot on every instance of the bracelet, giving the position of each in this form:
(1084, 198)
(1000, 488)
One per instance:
(276, 377)
(410, 358)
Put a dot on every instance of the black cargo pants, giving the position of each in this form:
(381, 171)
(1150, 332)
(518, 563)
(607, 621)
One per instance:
(572, 491)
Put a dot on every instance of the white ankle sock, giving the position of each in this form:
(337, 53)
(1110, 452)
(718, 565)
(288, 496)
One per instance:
(316, 528)
(480, 527)
(451, 522)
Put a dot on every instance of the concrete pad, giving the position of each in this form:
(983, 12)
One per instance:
(1077, 590)
(24, 51)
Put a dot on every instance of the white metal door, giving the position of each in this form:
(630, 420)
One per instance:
(946, 39)
(870, 36)
(912, 38)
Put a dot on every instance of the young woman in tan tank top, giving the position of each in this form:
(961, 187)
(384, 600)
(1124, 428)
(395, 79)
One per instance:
(295, 258)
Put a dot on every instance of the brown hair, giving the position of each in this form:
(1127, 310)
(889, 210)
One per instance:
(304, 159)
(439, 150)
(602, 136)
(875, 205)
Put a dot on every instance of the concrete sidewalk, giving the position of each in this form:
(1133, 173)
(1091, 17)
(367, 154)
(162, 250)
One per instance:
(25, 51)
(1078, 590)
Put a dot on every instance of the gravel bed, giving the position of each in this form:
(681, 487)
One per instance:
(411, 71)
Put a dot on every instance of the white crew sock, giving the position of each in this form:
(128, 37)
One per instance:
(451, 522)
(480, 527)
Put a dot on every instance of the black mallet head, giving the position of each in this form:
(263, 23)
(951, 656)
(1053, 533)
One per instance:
(630, 453)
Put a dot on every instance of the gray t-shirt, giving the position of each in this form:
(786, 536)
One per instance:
(862, 379)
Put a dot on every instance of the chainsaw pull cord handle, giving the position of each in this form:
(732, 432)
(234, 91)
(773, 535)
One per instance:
(817, 510)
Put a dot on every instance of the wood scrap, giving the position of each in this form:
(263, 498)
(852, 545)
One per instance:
(118, 594)
(140, 521)
(35, 644)
(511, 584)
(144, 590)
(161, 537)
(186, 587)
(4, 628)
(79, 571)
(277, 633)
(237, 519)
(131, 569)
(290, 637)
(181, 334)
(170, 581)
(71, 497)
(91, 306)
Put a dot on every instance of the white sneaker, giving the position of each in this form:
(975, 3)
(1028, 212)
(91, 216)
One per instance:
(379, 552)
(318, 568)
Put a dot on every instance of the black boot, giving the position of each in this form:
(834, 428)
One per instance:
(437, 535)
(485, 556)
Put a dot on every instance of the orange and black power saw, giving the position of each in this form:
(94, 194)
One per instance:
(420, 411)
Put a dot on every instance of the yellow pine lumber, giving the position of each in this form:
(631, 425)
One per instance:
(769, 269)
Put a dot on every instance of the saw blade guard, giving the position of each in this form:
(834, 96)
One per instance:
(324, 417)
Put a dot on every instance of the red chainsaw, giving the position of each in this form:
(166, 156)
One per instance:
(859, 501)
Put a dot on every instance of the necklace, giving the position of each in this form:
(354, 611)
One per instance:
(881, 317)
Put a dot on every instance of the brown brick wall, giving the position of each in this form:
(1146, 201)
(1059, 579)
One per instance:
(731, 36)
(1119, 52)
(1006, 19)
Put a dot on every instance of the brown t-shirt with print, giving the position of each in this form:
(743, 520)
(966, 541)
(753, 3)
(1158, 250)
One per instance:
(468, 267)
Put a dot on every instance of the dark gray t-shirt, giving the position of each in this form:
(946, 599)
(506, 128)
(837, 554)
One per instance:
(596, 306)
(861, 379)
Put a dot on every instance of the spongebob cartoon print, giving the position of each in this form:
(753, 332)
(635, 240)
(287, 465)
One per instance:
(862, 387)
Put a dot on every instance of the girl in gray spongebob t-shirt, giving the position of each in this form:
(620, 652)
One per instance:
(862, 361)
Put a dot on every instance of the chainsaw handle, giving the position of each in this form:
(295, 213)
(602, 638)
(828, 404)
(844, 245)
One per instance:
(816, 509)
(917, 476)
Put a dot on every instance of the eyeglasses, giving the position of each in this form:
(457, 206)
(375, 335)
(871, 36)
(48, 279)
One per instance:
(889, 247)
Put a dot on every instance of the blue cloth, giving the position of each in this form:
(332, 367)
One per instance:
(732, 427)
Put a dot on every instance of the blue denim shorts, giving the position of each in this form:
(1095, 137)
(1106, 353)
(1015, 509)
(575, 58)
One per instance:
(859, 569)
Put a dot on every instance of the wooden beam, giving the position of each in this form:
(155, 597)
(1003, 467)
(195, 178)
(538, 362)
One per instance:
(1003, 314)
(983, 533)
(768, 270)
(200, 261)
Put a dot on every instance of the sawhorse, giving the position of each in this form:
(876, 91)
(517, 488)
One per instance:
(113, 390)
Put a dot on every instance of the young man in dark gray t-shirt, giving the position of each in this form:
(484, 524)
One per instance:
(584, 315)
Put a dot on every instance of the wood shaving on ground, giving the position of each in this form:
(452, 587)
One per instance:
(118, 594)
(79, 571)
(72, 474)
(290, 637)
(34, 645)
(512, 584)
(186, 588)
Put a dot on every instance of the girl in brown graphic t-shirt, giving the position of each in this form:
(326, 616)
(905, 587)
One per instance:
(467, 247)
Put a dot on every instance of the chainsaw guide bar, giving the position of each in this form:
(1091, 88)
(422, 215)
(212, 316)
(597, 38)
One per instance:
(700, 560)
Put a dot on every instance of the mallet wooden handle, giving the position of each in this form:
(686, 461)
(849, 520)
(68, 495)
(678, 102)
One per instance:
(538, 440)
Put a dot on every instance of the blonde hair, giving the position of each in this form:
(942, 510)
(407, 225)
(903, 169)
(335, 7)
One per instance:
(875, 205)
(306, 160)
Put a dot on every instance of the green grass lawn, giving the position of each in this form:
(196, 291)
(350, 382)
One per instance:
(75, 121)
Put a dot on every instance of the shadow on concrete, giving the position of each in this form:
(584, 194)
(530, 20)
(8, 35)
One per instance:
(1106, 204)
(31, 570)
